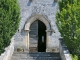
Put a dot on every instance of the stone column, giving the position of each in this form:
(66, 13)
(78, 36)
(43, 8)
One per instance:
(48, 41)
(27, 40)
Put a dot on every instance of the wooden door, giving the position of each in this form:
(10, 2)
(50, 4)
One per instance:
(33, 42)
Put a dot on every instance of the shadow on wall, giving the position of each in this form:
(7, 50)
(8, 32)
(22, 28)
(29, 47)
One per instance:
(54, 3)
(29, 3)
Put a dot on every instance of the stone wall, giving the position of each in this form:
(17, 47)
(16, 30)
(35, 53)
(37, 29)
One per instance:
(8, 51)
(64, 52)
(46, 8)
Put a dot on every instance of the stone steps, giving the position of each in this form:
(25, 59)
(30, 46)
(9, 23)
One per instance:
(35, 56)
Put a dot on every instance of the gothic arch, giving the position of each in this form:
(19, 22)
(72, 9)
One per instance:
(37, 17)
(27, 29)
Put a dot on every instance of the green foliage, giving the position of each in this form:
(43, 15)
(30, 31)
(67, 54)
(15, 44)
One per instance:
(74, 57)
(9, 21)
(68, 22)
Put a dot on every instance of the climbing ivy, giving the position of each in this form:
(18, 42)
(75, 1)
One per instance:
(68, 22)
(9, 21)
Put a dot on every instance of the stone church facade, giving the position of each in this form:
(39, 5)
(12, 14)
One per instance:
(38, 31)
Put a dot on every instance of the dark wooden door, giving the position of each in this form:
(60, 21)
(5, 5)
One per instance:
(41, 37)
(37, 42)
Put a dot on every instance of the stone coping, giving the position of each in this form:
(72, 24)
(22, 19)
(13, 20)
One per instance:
(64, 52)
(8, 51)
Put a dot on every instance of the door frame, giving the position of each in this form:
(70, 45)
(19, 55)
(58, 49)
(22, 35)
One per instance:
(48, 29)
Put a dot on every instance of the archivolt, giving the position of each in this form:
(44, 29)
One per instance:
(37, 17)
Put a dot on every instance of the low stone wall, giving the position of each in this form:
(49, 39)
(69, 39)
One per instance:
(8, 51)
(64, 52)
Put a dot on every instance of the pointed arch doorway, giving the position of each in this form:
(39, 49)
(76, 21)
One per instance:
(27, 30)
(37, 41)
